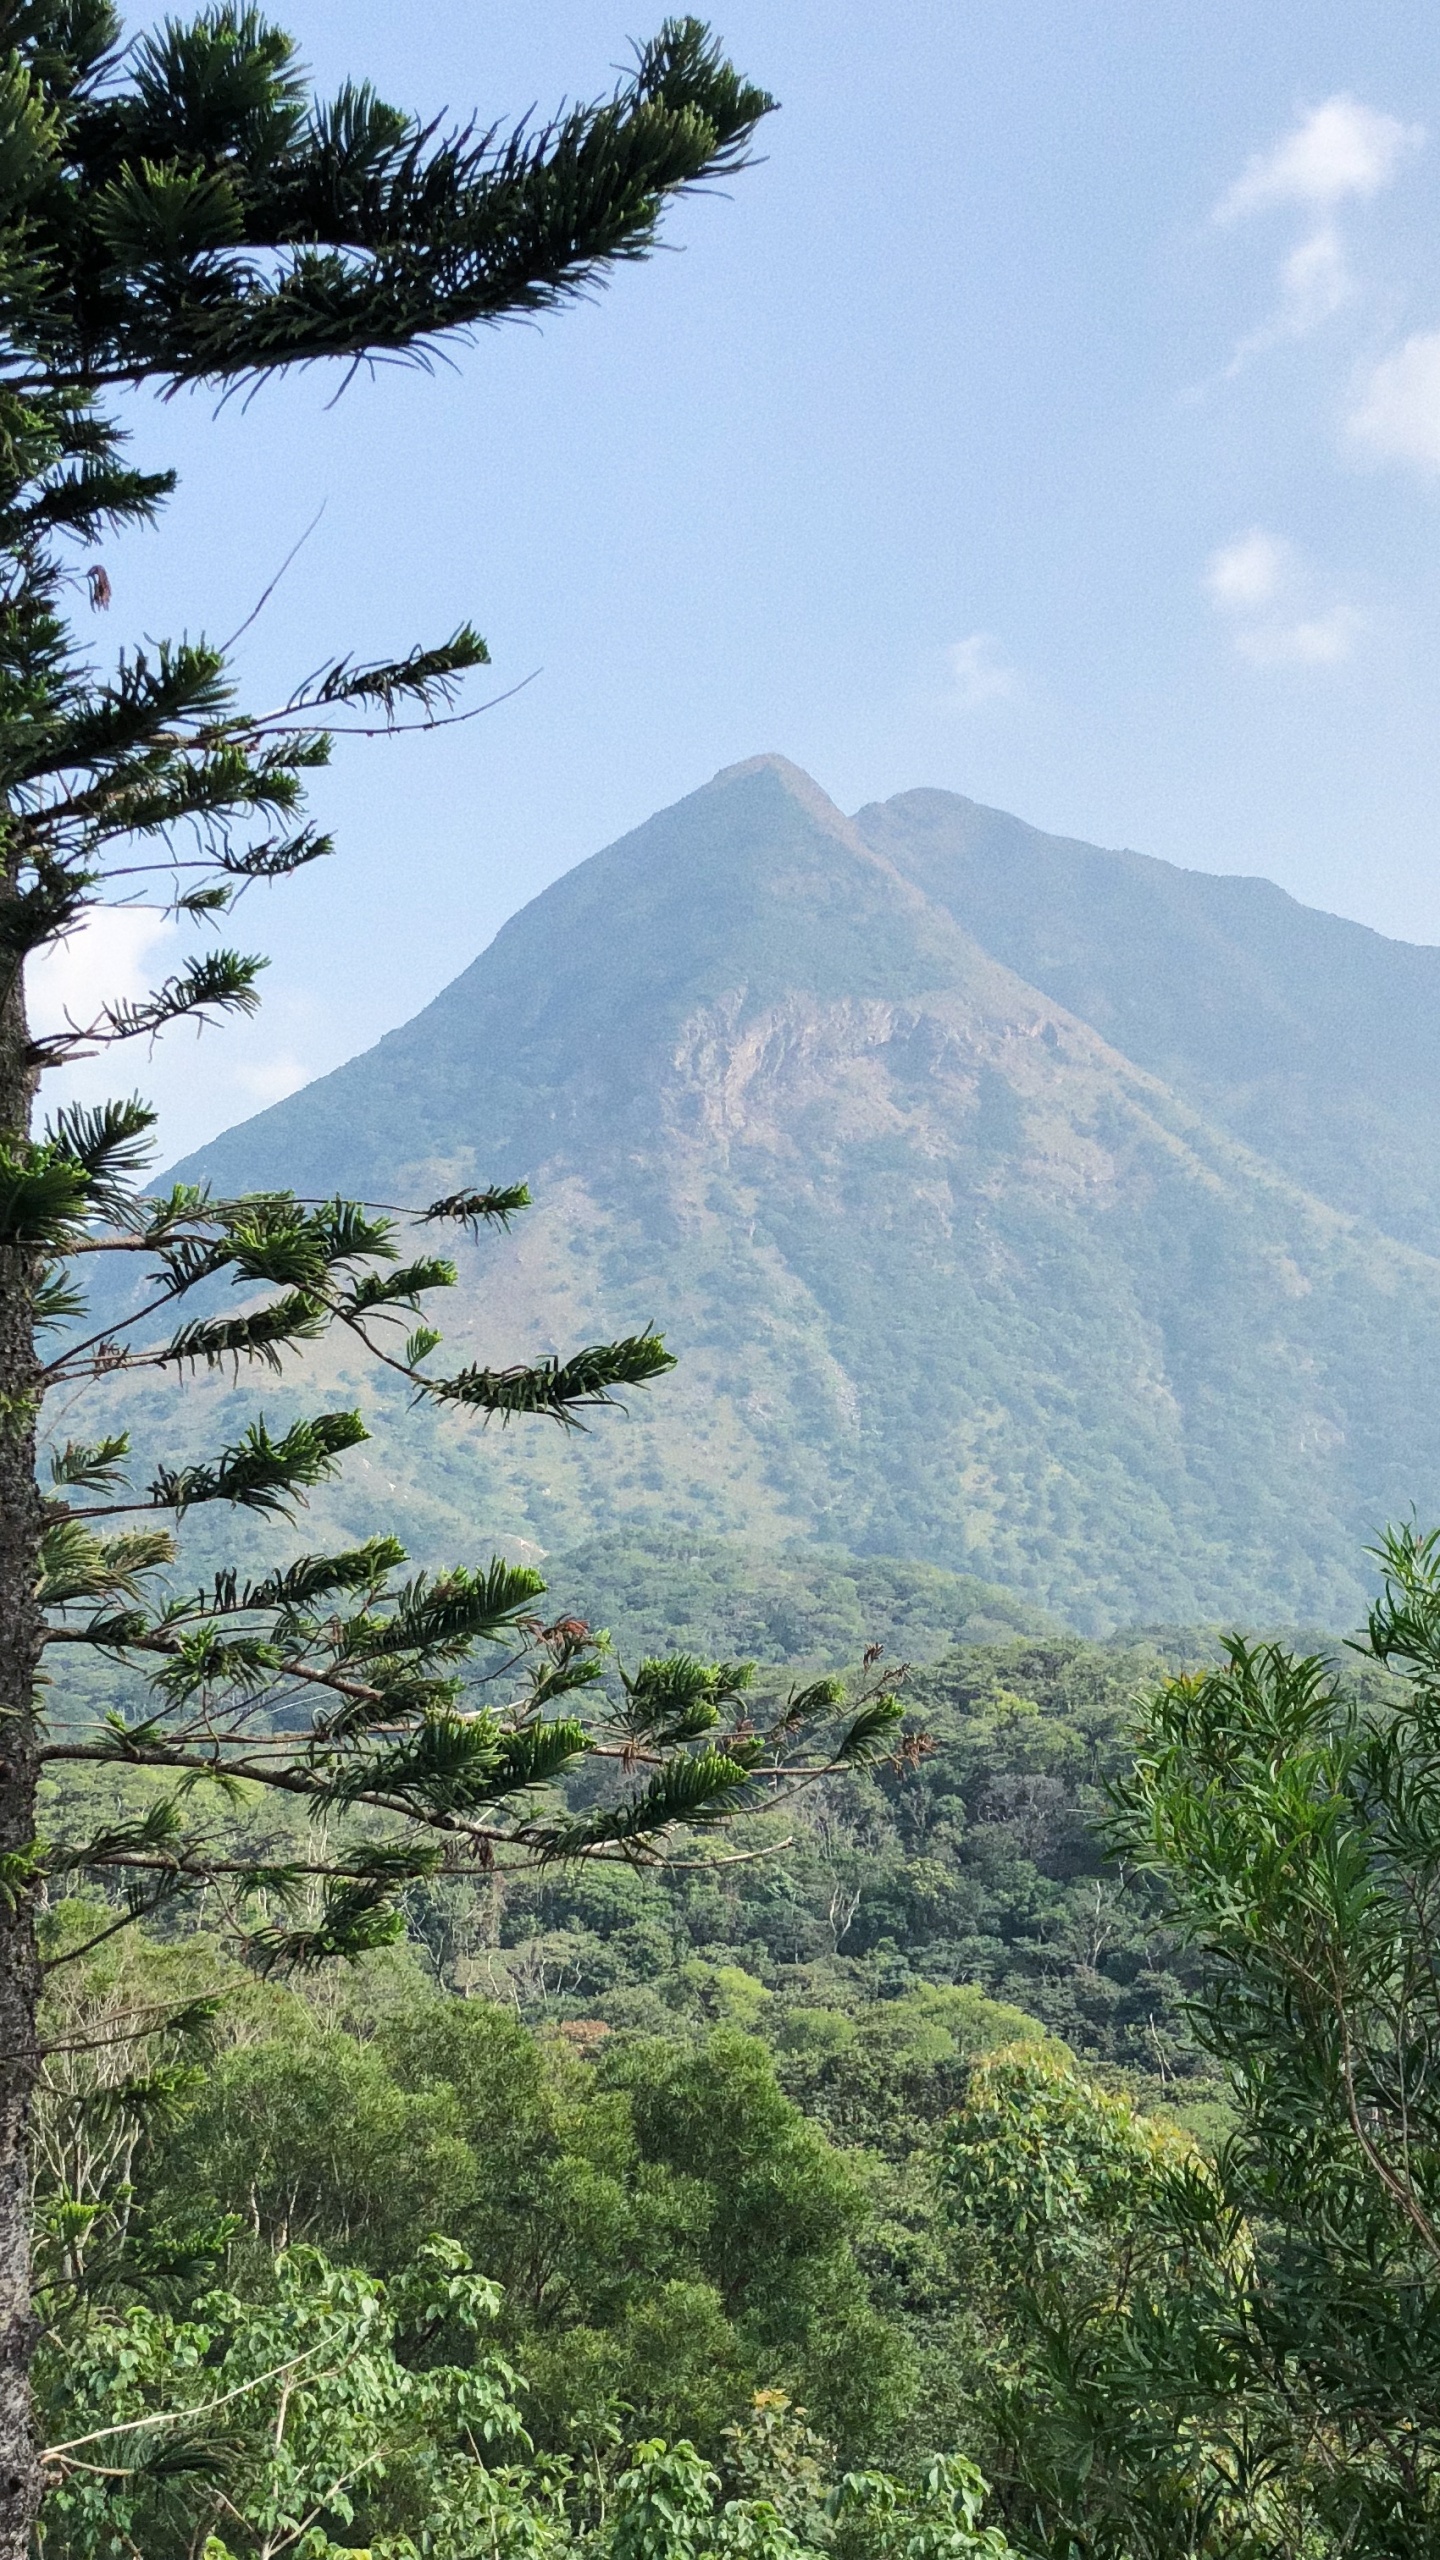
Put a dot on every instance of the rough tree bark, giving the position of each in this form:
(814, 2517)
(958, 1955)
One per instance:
(19, 1772)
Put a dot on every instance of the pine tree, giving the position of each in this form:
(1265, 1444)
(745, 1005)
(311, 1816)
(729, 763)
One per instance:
(182, 210)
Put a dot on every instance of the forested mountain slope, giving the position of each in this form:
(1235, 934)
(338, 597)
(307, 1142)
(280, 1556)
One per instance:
(1312, 1038)
(951, 1275)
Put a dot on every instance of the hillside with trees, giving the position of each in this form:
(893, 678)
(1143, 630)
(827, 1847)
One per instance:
(803, 2203)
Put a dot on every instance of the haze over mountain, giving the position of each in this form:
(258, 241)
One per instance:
(1043, 1213)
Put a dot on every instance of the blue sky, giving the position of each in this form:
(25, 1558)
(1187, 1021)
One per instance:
(1054, 417)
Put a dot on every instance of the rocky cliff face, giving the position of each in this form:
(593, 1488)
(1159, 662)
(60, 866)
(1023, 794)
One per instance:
(951, 1274)
(1313, 1039)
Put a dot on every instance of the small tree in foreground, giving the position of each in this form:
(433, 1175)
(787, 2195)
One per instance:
(1103, 2261)
(1294, 1817)
(183, 210)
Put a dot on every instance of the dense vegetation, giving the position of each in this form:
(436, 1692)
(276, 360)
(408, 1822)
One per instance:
(915, 2181)
(799, 1606)
(972, 1858)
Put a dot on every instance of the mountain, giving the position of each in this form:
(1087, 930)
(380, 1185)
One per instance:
(1314, 1040)
(1043, 1214)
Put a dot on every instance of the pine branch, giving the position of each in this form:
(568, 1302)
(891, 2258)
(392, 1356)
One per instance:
(476, 1209)
(221, 982)
(429, 677)
(259, 1473)
(76, 1565)
(168, 239)
(454, 1764)
(262, 1335)
(675, 1698)
(111, 1141)
(277, 856)
(447, 1616)
(299, 1585)
(95, 1465)
(693, 1791)
(558, 1389)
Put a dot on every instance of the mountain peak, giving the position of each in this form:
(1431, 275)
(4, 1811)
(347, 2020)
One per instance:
(801, 785)
(770, 761)
(807, 794)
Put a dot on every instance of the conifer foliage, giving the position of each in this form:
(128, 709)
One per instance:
(182, 210)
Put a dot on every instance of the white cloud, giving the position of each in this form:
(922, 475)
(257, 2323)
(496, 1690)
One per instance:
(1340, 149)
(1314, 281)
(1324, 640)
(1259, 583)
(268, 1080)
(1396, 415)
(979, 672)
(1247, 572)
(106, 960)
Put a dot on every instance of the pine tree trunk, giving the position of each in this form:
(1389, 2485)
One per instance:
(19, 1770)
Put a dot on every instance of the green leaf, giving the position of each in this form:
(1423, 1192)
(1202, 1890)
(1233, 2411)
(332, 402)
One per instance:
(427, 678)
(310, 1578)
(263, 1335)
(220, 982)
(154, 214)
(44, 1195)
(113, 1141)
(675, 1697)
(401, 1288)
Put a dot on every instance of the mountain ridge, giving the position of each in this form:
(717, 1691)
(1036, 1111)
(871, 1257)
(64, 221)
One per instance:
(1179, 968)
